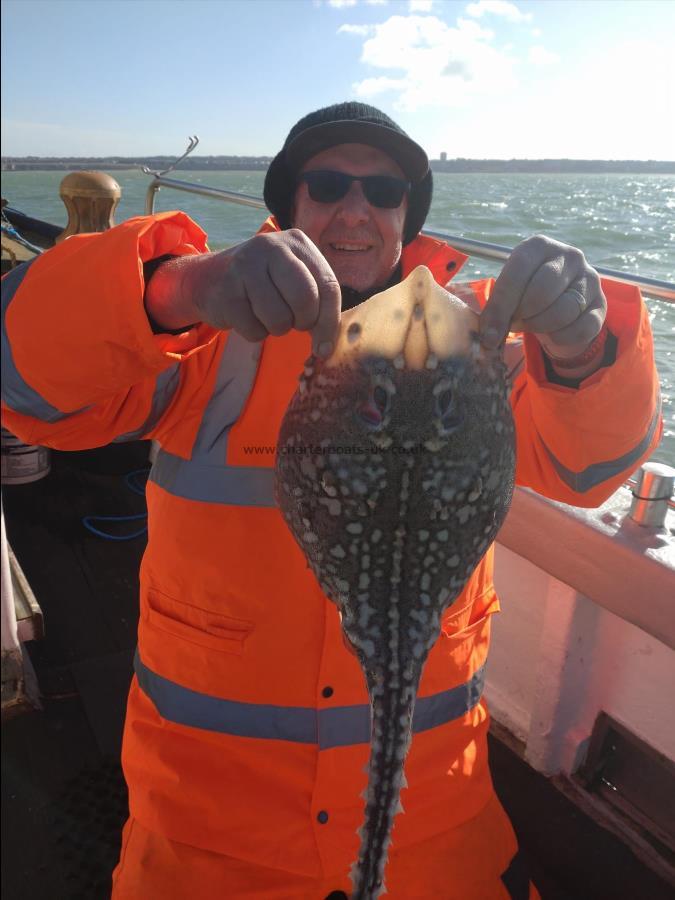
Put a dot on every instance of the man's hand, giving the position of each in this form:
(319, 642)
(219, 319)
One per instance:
(267, 285)
(548, 289)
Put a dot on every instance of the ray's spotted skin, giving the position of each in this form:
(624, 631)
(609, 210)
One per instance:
(394, 473)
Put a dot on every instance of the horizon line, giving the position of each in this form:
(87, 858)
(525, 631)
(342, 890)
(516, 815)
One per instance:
(263, 157)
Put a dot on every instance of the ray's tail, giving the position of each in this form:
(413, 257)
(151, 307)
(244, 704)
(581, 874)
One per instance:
(391, 712)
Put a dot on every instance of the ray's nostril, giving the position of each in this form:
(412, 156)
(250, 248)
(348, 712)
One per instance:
(380, 398)
(449, 412)
(373, 411)
(371, 415)
(444, 402)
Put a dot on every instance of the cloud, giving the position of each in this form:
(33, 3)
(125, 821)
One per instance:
(361, 30)
(420, 5)
(501, 8)
(376, 2)
(341, 4)
(432, 64)
(601, 129)
(540, 56)
(536, 32)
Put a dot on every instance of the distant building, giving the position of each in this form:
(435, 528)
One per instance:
(444, 156)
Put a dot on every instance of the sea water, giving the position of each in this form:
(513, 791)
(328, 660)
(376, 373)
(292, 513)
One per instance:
(620, 221)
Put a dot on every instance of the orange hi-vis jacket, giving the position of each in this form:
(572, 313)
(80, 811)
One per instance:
(248, 721)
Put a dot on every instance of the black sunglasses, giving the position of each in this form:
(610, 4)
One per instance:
(382, 191)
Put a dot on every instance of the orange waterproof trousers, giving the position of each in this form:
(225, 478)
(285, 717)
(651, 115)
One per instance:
(451, 866)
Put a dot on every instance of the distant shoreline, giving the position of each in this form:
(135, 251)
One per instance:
(260, 163)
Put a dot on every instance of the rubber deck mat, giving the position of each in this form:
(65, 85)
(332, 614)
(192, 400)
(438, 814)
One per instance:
(86, 823)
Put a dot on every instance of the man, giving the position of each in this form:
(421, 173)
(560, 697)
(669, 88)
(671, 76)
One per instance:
(240, 746)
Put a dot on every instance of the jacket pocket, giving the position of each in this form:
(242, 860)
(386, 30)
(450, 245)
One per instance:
(461, 648)
(475, 609)
(204, 627)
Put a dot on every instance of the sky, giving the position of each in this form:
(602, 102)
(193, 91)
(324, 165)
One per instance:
(483, 78)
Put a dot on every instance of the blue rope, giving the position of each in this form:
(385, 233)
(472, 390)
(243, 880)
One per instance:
(13, 233)
(131, 481)
(87, 522)
(132, 484)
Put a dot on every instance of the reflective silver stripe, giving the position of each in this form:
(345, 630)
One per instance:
(165, 387)
(345, 725)
(338, 727)
(441, 708)
(603, 471)
(16, 394)
(236, 374)
(234, 485)
(206, 476)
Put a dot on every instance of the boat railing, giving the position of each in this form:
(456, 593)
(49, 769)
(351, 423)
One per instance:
(650, 287)
(586, 540)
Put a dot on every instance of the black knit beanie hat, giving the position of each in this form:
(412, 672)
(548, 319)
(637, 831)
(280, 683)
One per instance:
(348, 123)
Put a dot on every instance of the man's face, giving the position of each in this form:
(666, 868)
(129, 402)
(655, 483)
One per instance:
(361, 242)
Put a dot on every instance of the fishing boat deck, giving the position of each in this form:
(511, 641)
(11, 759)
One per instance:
(63, 795)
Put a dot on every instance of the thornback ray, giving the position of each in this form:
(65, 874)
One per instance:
(394, 472)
